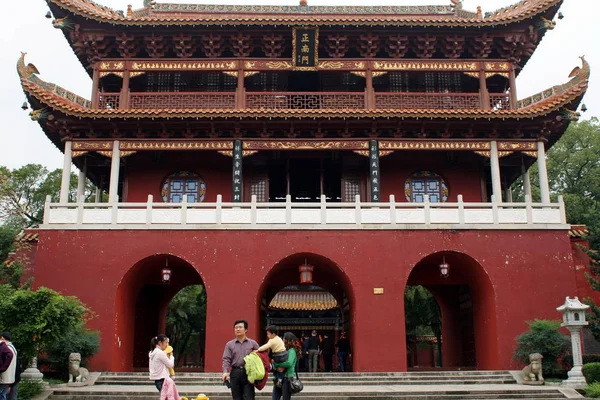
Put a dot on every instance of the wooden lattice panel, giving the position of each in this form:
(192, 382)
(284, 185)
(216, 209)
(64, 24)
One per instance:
(500, 101)
(429, 101)
(182, 100)
(304, 101)
(108, 101)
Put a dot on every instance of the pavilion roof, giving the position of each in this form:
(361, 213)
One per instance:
(170, 14)
(556, 98)
(303, 301)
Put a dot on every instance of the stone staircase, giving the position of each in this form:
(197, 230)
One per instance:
(468, 385)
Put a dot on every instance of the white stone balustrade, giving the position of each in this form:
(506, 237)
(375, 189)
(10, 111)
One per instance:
(318, 215)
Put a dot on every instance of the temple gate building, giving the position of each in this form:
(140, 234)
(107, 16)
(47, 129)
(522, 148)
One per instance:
(253, 149)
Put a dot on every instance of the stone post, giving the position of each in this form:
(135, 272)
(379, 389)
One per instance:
(574, 319)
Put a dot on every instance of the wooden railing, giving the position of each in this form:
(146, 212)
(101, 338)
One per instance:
(301, 100)
(433, 101)
(317, 216)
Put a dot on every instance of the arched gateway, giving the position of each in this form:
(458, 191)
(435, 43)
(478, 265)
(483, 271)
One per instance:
(141, 305)
(309, 307)
(468, 312)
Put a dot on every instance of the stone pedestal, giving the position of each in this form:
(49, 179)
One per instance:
(576, 379)
(32, 373)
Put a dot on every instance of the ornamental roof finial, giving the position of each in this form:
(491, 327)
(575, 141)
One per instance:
(303, 3)
(129, 11)
(479, 13)
(26, 71)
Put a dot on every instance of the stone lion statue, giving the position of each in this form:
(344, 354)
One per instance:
(532, 374)
(77, 373)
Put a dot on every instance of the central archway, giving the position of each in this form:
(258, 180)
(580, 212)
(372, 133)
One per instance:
(141, 306)
(331, 296)
(466, 299)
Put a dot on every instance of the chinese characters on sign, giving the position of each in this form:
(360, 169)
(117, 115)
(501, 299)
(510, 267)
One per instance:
(374, 170)
(236, 179)
(306, 44)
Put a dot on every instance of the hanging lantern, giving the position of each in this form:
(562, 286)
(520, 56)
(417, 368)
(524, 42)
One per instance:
(306, 273)
(166, 273)
(444, 268)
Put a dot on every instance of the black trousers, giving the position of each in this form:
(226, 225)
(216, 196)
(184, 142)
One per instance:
(241, 389)
(328, 360)
(284, 391)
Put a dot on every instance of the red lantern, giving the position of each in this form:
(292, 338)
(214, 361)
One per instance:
(306, 272)
(444, 268)
(166, 273)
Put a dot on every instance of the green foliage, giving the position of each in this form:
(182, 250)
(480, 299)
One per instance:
(543, 337)
(186, 318)
(38, 319)
(29, 389)
(593, 390)
(591, 372)
(23, 193)
(80, 340)
(422, 315)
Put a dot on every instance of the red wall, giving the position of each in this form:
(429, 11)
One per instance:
(530, 272)
(462, 173)
(145, 172)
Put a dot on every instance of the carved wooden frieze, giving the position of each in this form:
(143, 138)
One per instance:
(91, 145)
(425, 66)
(306, 145)
(184, 65)
(139, 145)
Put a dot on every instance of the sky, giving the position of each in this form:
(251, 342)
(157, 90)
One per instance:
(22, 141)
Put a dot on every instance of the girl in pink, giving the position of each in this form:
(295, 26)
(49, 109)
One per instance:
(159, 362)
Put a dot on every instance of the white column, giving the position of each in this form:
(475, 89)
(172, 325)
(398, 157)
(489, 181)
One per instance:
(113, 189)
(66, 173)
(495, 167)
(81, 180)
(526, 181)
(543, 171)
(508, 195)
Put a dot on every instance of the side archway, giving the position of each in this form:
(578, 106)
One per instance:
(468, 311)
(141, 306)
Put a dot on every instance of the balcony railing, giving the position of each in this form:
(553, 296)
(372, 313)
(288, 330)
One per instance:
(301, 100)
(429, 101)
(311, 216)
(305, 101)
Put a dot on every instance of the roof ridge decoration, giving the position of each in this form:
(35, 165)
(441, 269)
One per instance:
(579, 76)
(29, 73)
(175, 14)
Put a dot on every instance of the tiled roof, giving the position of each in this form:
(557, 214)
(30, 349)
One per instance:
(578, 231)
(303, 301)
(189, 14)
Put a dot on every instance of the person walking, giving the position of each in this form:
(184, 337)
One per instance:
(159, 362)
(287, 368)
(8, 366)
(344, 351)
(234, 372)
(328, 350)
(314, 348)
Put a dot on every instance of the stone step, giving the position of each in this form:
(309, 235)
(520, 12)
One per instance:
(429, 395)
(329, 374)
(372, 382)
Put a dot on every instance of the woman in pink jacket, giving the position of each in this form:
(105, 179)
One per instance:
(159, 362)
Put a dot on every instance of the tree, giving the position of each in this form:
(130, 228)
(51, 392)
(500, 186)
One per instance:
(543, 337)
(186, 317)
(422, 314)
(37, 319)
(23, 193)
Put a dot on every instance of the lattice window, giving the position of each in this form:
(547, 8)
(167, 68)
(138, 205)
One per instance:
(426, 182)
(258, 188)
(182, 185)
(351, 188)
(266, 82)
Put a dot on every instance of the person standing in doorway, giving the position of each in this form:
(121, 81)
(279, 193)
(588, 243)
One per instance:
(8, 366)
(314, 348)
(234, 371)
(305, 343)
(327, 349)
(344, 351)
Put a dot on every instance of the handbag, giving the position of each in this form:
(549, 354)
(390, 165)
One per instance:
(296, 384)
